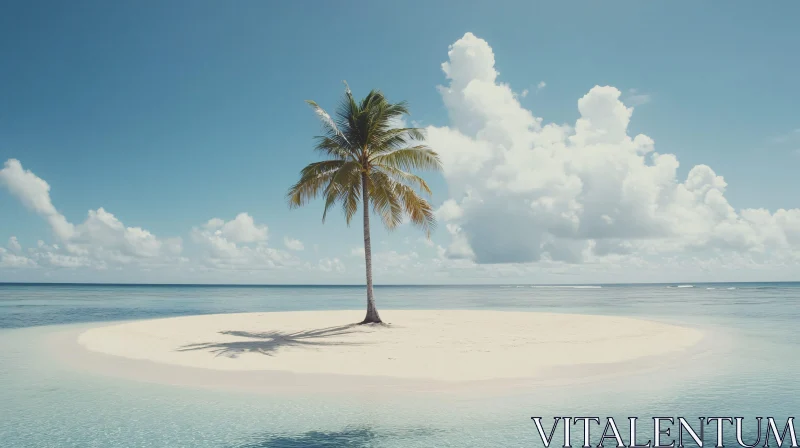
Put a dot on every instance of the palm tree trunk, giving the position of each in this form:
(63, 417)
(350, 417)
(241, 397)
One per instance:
(372, 312)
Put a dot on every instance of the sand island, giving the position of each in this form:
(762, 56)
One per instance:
(454, 346)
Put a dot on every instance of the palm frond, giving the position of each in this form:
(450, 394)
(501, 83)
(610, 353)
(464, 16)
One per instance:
(333, 146)
(347, 114)
(414, 158)
(341, 184)
(404, 177)
(313, 179)
(351, 197)
(418, 209)
(385, 202)
(397, 110)
(326, 119)
(406, 135)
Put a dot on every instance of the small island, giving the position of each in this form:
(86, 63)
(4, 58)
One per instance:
(438, 345)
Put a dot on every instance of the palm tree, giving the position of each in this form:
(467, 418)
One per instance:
(369, 159)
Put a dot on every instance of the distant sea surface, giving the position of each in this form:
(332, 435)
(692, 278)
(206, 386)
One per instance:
(748, 368)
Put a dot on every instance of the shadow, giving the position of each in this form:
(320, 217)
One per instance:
(346, 438)
(266, 343)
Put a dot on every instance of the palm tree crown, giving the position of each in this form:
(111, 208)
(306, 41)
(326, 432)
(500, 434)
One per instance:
(369, 159)
(363, 139)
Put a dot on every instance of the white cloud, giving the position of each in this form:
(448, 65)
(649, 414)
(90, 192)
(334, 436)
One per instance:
(393, 261)
(525, 191)
(241, 229)
(541, 85)
(239, 244)
(51, 256)
(103, 242)
(398, 123)
(293, 244)
(14, 245)
(459, 245)
(34, 193)
(524, 93)
(331, 265)
(103, 231)
(357, 252)
(99, 241)
(449, 211)
(12, 261)
(214, 223)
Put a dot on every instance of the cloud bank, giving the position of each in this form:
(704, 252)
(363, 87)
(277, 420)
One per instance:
(524, 190)
(524, 195)
(103, 242)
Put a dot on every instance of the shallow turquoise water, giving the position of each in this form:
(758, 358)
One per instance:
(747, 369)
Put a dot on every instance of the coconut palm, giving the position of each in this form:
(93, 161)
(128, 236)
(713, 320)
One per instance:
(369, 159)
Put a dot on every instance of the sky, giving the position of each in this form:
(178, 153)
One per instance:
(582, 142)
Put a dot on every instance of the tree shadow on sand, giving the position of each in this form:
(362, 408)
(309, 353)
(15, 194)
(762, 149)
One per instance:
(348, 438)
(268, 342)
(351, 437)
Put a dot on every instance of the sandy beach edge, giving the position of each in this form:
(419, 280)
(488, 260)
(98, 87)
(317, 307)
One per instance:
(652, 346)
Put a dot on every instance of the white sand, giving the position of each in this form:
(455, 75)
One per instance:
(439, 345)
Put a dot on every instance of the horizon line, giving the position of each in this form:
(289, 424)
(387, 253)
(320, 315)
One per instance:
(354, 285)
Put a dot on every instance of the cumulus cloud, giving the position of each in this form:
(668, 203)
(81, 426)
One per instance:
(238, 244)
(241, 229)
(11, 260)
(331, 265)
(13, 244)
(541, 85)
(34, 193)
(104, 232)
(101, 240)
(293, 244)
(449, 211)
(524, 190)
(459, 245)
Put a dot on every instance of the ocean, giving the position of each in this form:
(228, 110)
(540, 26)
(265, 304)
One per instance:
(746, 367)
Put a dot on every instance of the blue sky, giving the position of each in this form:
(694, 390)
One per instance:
(169, 114)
